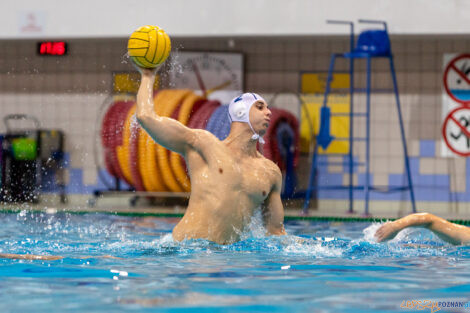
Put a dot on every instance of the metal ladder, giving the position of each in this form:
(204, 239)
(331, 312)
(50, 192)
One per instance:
(371, 44)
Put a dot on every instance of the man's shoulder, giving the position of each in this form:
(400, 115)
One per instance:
(270, 166)
(205, 137)
(203, 133)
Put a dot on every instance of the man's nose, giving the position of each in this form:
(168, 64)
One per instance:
(268, 112)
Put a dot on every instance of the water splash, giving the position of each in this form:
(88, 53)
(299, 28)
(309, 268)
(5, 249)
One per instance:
(125, 58)
(175, 68)
(406, 235)
(369, 232)
(97, 235)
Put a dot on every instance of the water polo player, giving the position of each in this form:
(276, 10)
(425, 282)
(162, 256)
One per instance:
(230, 179)
(447, 231)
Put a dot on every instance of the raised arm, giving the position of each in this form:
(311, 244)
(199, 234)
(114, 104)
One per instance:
(447, 231)
(273, 213)
(165, 131)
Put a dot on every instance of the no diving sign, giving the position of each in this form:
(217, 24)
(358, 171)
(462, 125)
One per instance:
(457, 79)
(456, 131)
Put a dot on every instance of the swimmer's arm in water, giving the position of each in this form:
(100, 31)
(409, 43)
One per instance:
(33, 257)
(447, 231)
(273, 211)
(164, 130)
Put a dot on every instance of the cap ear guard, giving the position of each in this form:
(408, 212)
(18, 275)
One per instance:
(239, 110)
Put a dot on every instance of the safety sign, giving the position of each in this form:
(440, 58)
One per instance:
(457, 79)
(456, 131)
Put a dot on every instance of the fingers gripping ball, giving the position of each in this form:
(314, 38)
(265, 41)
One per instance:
(149, 46)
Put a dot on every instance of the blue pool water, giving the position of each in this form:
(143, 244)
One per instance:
(130, 264)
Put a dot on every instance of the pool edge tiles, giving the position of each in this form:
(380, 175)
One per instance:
(291, 215)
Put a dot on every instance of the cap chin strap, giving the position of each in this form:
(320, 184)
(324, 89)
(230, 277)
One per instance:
(256, 136)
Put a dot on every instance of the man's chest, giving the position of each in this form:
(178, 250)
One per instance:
(225, 173)
(249, 178)
(257, 187)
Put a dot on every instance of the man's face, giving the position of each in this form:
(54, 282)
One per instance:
(260, 116)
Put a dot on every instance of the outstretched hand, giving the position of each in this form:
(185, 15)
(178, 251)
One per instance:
(147, 71)
(386, 232)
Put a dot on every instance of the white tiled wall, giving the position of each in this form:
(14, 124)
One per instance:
(67, 92)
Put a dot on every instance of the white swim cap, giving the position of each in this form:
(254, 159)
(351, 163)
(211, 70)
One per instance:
(239, 110)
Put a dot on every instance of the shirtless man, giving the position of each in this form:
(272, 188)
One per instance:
(447, 231)
(230, 179)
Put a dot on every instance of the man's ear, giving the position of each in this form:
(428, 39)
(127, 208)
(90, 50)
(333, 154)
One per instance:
(239, 110)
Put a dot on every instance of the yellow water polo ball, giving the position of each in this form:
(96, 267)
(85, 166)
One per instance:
(149, 46)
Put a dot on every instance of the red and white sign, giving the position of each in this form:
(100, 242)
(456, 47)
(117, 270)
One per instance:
(457, 79)
(455, 94)
(456, 131)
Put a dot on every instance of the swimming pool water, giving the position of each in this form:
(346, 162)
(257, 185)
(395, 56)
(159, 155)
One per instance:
(114, 264)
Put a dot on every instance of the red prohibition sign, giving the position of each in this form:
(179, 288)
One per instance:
(461, 74)
(465, 131)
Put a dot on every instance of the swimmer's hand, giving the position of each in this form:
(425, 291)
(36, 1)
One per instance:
(387, 232)
(147, 71)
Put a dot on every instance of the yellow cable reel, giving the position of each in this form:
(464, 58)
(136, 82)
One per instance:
(166, 109)
(151, 176)
(123, 150)
(175, 158)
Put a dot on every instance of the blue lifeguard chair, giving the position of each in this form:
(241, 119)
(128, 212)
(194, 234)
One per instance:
(374, 43)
